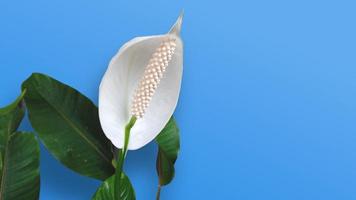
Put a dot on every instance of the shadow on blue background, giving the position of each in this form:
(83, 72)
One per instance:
(268, 104)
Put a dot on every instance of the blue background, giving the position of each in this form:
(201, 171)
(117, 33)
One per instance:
(268, 103)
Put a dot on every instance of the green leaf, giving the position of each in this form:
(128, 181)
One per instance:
(168, 142)
(19, 156)
(106, 190)
(67, 123)
(20, 177)
(10, 118)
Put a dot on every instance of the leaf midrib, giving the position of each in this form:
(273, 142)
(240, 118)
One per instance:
(75, 128)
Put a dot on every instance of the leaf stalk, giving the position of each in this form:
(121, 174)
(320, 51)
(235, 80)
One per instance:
(158, 192)
(121, 158)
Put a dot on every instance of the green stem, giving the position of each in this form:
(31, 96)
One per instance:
(158, 192)
(121, 158)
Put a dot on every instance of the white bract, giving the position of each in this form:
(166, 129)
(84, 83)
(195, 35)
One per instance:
(143, 80)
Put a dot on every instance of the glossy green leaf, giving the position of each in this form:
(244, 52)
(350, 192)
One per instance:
(20, 177)
(10, 118)
(19, 156)
(106, 190)
(67, 123)
(168, 142)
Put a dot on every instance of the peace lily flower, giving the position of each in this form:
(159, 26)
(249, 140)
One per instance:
(140, 88)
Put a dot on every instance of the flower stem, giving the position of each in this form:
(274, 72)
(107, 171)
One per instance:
(158, 192)
(121, 158)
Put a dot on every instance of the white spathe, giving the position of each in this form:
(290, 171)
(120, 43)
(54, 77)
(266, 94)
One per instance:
(121, 80)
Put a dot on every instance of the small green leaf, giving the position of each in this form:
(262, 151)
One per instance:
(107, 189)
(168, 142)
(19, 156)
(10, 119)
(20, 177)
(67, 123)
